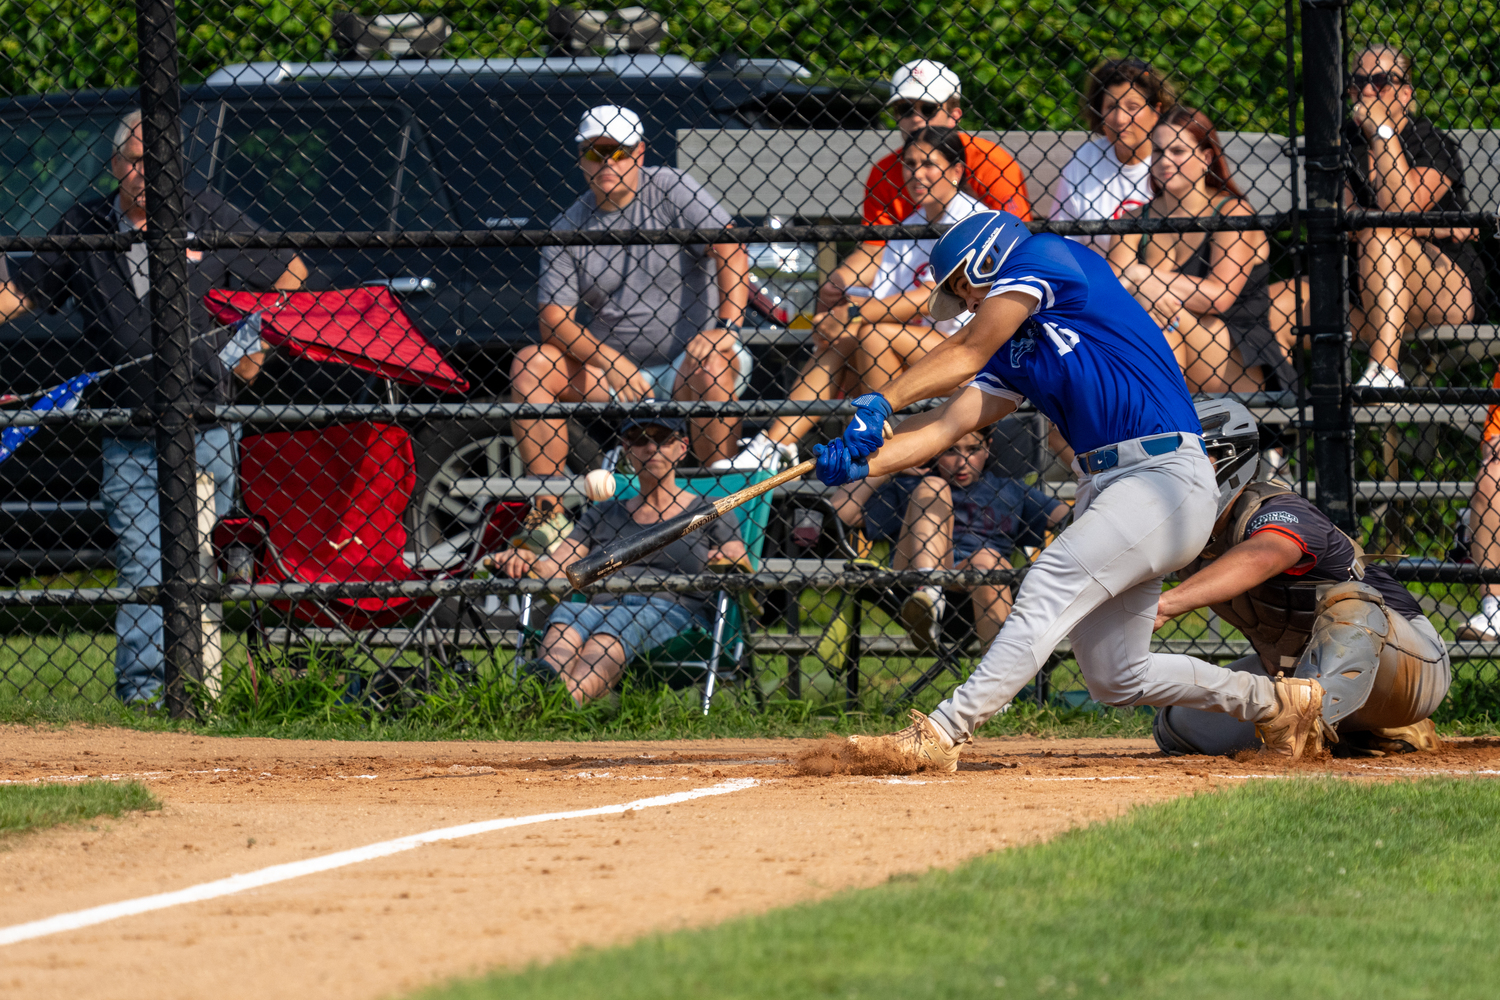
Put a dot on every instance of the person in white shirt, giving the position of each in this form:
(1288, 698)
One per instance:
(882, 328)
(1110, 175)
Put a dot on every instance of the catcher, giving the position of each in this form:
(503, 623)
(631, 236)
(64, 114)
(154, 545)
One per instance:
(1279, 571)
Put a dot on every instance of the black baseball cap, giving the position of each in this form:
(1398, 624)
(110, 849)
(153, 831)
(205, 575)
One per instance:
(677, 425)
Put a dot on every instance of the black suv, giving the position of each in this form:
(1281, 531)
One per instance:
(387, 145)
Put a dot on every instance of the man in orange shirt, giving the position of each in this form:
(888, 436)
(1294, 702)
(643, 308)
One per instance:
(926, 93)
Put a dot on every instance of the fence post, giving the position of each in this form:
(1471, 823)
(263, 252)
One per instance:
(1328, 374)
(166, 243)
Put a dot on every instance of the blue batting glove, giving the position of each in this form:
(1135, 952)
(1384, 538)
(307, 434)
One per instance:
(836, 466)
(866, 431)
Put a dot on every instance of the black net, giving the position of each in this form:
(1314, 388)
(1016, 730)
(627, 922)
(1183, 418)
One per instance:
(372, 321)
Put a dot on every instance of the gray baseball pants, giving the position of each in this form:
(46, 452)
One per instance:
(1099, 584)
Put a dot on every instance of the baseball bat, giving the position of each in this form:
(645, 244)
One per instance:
(611, 558)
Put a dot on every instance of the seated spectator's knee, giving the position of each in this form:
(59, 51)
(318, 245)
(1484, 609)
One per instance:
(987, 559)
(931, 490)
(712, 378)
(538, 371)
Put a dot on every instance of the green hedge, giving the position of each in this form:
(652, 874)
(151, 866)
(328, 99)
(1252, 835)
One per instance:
(1021, 60)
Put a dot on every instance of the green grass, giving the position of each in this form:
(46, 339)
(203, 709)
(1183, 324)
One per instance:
(1299, 888)
(35, 807)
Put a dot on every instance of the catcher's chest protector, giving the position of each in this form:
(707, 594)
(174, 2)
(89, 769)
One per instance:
(1277, 617)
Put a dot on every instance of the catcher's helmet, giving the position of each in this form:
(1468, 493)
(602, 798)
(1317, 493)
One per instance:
(1232, 439)
(979, 245)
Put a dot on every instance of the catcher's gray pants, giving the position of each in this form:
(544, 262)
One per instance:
(1410, 681)
(1099, 584)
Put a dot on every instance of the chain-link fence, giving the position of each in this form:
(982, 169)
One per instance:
(342, 332)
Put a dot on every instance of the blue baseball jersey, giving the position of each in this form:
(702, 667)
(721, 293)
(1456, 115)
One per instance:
(1089, 357)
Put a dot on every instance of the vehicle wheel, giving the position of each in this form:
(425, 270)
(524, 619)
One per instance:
(442, 525)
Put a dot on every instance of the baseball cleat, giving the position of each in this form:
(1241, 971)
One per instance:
(919, 743)
(1297, 727)
(922, 615)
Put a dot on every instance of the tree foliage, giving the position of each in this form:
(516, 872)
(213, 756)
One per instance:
(1021, 61)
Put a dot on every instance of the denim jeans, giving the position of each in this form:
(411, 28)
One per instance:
(640, 621)
(129, 495)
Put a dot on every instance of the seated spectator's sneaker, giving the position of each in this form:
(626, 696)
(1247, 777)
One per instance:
(922, 614)
(921, 745)
(1377, 376)
(1297, 728)
(1483, 627)
(1418, 737)
(759, 452)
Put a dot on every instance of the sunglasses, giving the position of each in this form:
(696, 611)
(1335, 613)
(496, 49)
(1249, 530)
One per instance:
(595, 154)
(1380, 81)
(905, 109)
(657, 436)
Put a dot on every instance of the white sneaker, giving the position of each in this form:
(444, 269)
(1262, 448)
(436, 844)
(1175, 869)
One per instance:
(759, 452)
(1377, 376)
(1483, 627)
(922, 614)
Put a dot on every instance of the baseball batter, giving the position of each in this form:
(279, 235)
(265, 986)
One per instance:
(1053, 324)
(1298, 588)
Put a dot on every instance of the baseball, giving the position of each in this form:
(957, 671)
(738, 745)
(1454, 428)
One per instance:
(599, 485)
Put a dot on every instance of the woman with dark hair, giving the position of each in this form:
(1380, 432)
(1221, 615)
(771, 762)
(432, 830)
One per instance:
(883, 327)
(1208, 291)
(1400, 279)
(1108, 176)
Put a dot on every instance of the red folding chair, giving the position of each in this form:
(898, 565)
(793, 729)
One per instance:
(327, 505)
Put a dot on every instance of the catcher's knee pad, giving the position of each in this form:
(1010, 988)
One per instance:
(1180, 730)
(1343, 653)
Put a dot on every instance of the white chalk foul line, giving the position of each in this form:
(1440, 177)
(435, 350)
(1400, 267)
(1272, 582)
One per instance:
(296, 869)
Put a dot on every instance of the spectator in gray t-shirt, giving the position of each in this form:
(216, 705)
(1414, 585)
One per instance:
(588, 645)
(665, 319)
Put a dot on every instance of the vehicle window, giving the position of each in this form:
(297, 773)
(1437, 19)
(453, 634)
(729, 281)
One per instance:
(508, 170)
(423, 204)
(310, 168)
(47, 166)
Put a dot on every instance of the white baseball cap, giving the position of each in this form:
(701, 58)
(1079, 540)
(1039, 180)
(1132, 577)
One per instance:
(609, 121)
(924, 80)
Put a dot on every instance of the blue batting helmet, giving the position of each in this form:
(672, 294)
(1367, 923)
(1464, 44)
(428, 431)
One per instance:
(979, 245)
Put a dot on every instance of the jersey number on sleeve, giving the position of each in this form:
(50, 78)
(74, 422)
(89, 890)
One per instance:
(1062, 338)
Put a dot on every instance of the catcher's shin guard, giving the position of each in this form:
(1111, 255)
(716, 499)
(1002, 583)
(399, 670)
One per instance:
(1343, 654)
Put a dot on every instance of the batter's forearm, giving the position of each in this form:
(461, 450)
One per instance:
(944, 369)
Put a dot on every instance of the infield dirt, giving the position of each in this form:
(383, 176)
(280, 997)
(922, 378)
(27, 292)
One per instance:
(385, 927)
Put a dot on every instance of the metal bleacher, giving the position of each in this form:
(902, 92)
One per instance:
(816, 177)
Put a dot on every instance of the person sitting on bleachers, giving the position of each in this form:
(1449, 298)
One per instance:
(881, 328)
(1402, 279)
(958, 515)
(666, 320)
(1110, 174)
(1484, 531)
(588, 645)
(1207, 291)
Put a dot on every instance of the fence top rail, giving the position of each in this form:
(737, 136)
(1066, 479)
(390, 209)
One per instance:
(531, 238)
(413, 413)
(483, 238)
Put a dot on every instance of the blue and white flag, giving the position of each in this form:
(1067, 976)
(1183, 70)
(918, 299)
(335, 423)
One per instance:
(63, 397)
